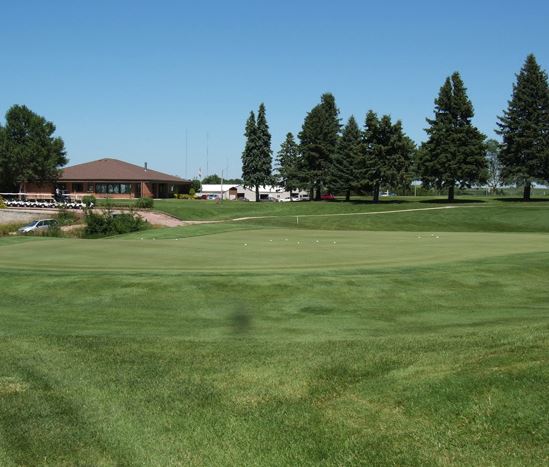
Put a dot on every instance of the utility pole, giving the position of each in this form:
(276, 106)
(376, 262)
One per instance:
(186, 153)
(207, 152)
(222, 185)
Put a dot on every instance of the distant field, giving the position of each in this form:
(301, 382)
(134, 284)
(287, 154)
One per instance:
(409, 338)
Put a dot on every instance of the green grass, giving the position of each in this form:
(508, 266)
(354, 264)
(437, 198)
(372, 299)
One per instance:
(380, 349)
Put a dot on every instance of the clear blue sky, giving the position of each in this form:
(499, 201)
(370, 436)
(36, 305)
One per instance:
(129, 79)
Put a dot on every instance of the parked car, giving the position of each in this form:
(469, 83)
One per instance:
(387, 193)
(286, 199)
(304, 197)
(328, 197)
(38, 225)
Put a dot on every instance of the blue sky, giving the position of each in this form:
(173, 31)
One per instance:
(130, 79)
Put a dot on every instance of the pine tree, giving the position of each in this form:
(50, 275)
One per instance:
(249, 156)
(524, 128)
(388, 154)
(454, 152)
(257, 155)
(346, 159)
(288, 164)
(318, 143)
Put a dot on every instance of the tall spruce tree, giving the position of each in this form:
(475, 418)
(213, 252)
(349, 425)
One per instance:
(454, 152)
(288, 175)
(343, 170)
(388, 154)
(524, 128)
(318, 143)
(28, 150)
(257, 155)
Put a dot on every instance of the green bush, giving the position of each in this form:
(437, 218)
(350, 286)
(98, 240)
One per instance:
(2, 204)
(89, 200)
(8, 229)
(51, 231)
(144, 203)
(185, 196)
(106, 224)
(65, 217)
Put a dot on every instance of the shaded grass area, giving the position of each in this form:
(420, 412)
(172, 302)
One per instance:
(445, 364)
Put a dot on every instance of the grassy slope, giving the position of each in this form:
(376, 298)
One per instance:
(442, 363)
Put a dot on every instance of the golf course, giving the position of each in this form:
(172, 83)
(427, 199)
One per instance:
(332, 333)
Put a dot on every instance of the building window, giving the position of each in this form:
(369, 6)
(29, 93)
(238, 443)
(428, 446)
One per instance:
(77, 187)
(113, 188)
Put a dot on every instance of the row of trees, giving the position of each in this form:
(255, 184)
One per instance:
(456, 154)
(29, 152)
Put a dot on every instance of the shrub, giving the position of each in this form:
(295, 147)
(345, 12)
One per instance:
(8, 229)
(2, 204)
(89, 201)
(144, 203)
(65, 217)
(107, 224)
(51, 231)
(185, 196)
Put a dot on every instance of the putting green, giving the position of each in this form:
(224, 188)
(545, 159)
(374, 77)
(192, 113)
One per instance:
(265, 250)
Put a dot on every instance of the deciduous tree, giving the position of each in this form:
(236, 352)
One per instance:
(29, 151)
(388, 154)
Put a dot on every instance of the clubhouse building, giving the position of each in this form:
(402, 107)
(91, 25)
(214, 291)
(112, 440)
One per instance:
(113, 178)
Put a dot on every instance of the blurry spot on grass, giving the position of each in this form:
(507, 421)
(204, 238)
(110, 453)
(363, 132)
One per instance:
(11, 385)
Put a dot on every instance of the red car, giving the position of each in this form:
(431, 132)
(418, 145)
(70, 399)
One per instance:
(328, 197)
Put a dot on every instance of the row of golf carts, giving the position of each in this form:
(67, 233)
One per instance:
(39, 201)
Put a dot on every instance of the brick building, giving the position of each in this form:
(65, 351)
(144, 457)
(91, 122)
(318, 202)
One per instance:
(112, 178)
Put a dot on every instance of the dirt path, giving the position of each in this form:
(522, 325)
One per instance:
(370, 213)
(165, 220)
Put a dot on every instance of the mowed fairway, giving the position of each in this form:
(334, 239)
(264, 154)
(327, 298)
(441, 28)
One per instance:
(254, 345)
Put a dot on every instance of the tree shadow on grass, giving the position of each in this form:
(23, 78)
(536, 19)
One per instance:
(370, 202)
(456, 201)
(520, 200)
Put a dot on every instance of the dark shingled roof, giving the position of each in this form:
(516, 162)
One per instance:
(116, 170)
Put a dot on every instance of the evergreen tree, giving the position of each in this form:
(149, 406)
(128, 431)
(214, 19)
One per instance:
(257, 155)
(343, 173)
(454, 152)
(318, 143)
(288, 164)
(388, 154)
(28, 150)
(524, 128)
